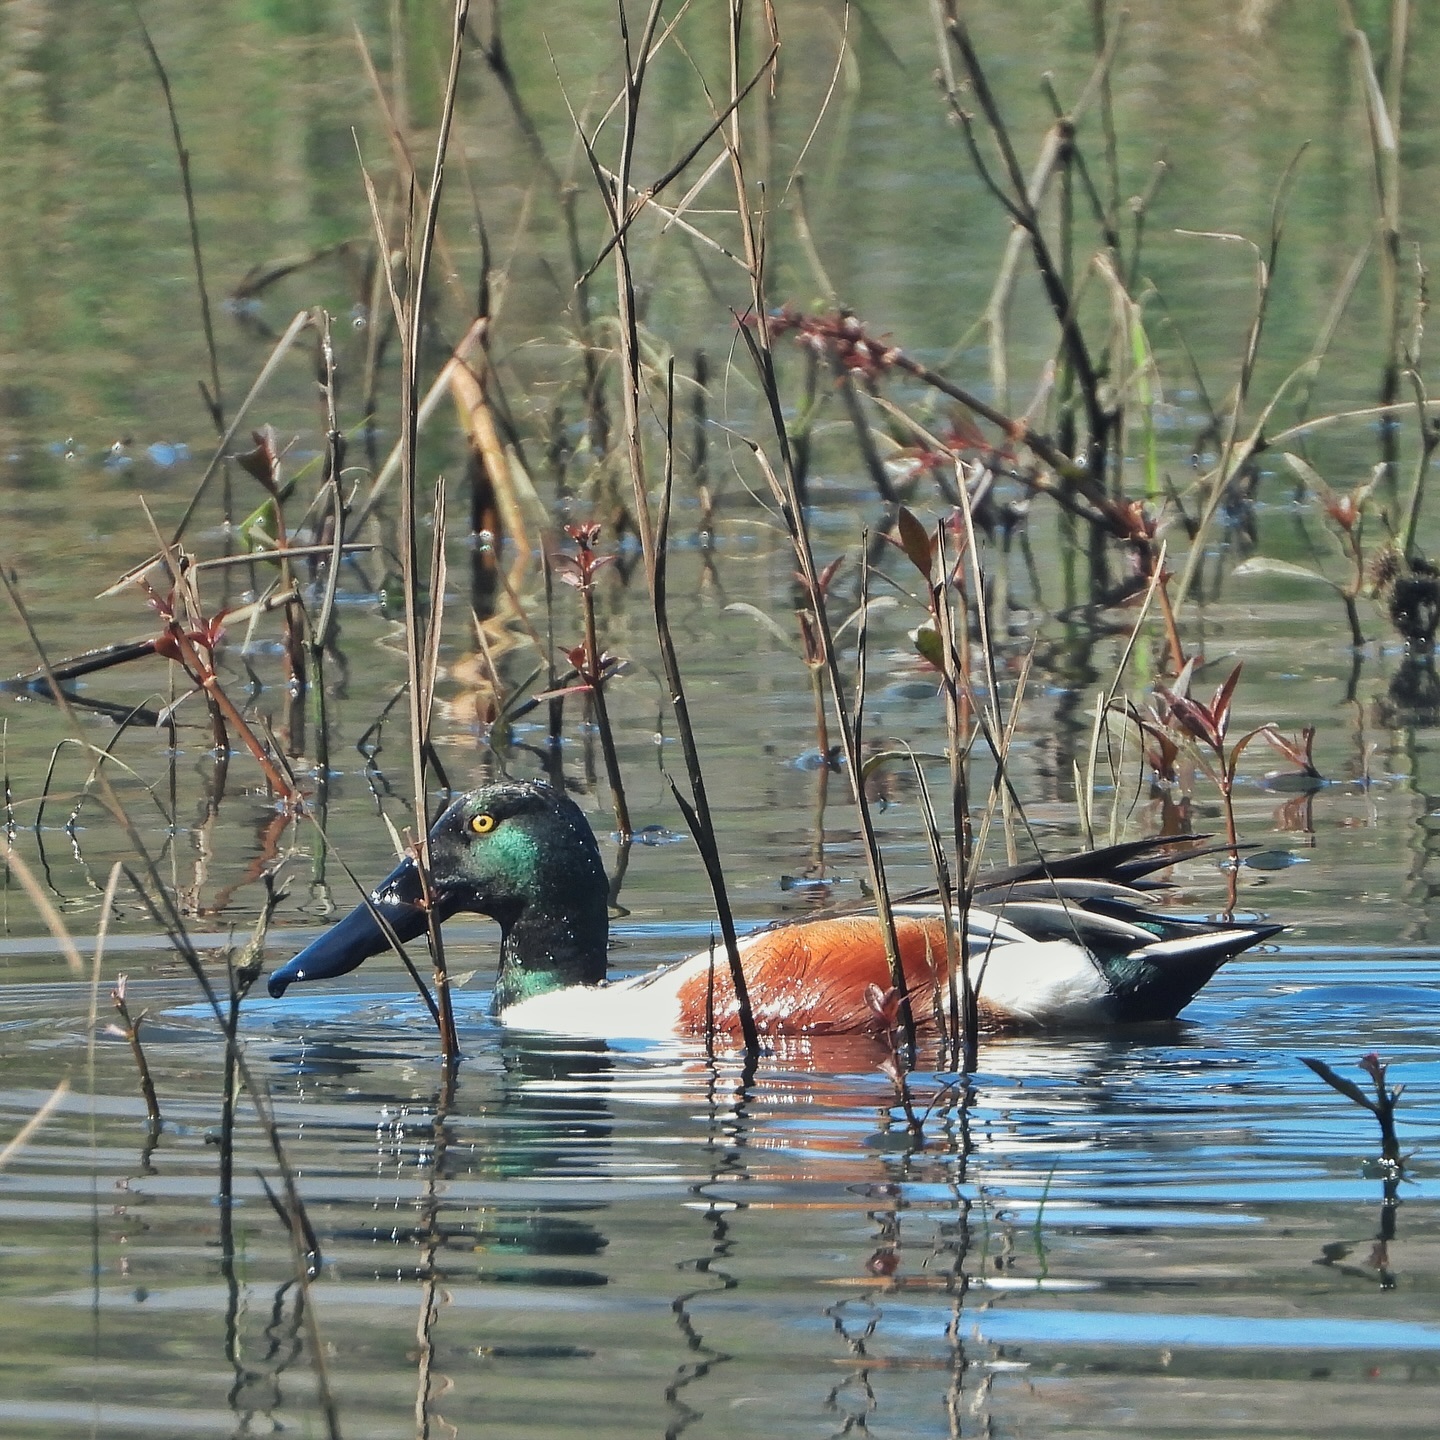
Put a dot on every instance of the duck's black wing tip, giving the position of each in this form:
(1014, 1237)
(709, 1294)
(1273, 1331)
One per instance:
(1124, 864)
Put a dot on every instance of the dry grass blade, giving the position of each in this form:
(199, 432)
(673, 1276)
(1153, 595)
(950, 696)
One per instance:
(1338, 306)
(697, 815)
(107, 907)
(1382, 115)
(1107, 699)
(48, 913)
(946, 892)
(997, 726)
(23, 1135)
(842, 56)
(437, 175)
(334, 458)
(430, 668)
(272, 363)
(422, 631)
(964, 1004)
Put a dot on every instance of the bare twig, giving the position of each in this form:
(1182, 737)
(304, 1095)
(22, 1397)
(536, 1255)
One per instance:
(129, 1030)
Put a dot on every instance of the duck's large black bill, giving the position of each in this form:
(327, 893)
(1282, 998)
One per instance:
(360, 935)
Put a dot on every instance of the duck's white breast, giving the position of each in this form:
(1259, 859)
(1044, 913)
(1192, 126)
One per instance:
(643, 1007)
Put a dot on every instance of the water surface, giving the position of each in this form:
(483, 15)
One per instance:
(1171, 1232)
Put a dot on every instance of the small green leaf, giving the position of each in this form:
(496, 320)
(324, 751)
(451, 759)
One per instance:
(927, 645)
(258, 529)
(1306, 472)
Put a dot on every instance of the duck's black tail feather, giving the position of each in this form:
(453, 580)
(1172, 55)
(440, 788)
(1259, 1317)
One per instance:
(1125, 864)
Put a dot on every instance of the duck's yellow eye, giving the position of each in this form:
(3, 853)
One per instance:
(483, 824)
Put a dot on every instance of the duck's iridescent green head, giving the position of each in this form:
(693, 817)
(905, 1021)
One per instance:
(519, 851)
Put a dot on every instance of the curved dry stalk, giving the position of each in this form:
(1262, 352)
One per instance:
(22, 1137)
(1343, 417)
(1429, 440)
(48, 913)
(396, 125)
(698, 815)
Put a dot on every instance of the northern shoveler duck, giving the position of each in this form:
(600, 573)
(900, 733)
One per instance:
(1069, 943)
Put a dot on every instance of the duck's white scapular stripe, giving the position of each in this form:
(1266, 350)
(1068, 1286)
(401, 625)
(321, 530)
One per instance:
(1065, 889)
(1228, 942)
(640, 1007)
(980, 924)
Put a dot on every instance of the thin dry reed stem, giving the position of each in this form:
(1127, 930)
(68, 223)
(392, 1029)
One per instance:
(784, 487)
(697, 808)
(214, 398)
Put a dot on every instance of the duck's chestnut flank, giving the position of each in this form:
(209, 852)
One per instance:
(1071, 943)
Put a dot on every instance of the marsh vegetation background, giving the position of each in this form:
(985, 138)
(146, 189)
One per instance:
(1178, 1233)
